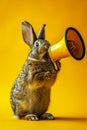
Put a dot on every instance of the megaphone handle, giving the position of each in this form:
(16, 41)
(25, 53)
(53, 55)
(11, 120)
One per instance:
(57, 65)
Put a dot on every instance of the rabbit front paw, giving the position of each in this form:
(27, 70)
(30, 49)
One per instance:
(57, 65)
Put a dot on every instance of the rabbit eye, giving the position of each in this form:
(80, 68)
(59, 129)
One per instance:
(36, 44)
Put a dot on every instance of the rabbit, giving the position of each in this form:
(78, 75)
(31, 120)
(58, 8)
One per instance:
(30, 94)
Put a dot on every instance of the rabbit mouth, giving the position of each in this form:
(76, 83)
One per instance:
(46, 56)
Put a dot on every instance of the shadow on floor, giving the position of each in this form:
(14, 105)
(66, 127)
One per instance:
(84, 119)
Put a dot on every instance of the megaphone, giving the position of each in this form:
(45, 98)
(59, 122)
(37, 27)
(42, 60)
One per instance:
(72, 44)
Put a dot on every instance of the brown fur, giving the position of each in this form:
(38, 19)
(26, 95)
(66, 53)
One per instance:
(30, 94)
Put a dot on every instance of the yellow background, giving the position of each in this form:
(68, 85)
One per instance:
(69, 93)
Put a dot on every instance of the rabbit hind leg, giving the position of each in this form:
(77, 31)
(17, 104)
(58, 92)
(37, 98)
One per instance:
(31, 117)
(47, 116)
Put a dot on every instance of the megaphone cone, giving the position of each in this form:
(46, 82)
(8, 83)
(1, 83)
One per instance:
(71, 44)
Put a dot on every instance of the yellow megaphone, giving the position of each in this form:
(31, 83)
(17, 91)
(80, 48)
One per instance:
(71, 45)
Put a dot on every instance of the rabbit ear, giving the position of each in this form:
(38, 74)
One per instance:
(41, 34)
(28, 33)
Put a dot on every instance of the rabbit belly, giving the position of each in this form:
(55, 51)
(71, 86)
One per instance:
(35, 102)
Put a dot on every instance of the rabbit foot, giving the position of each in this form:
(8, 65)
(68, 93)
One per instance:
(31, 117)
(47, 116)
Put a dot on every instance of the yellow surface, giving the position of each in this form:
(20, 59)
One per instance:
(69, 93)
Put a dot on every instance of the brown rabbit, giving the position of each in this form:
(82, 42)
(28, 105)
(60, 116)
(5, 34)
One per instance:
(30, 95)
